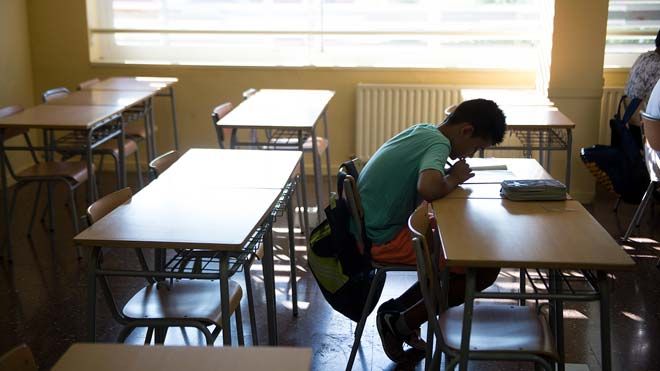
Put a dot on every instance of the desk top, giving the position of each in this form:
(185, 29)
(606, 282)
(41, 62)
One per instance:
(227, 168)
(183, 215)
(144, 83)
(60, 117)
(123, 98)
(509, 96)
(113, 357)
(503, 233)
(279, 108)
(517, 168)
(536, 117)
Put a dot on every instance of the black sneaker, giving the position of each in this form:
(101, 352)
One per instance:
(392, 343)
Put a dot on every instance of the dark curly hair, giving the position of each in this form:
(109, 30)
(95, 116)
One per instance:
(484, 115)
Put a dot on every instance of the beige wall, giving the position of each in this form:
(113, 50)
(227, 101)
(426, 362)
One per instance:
(15, 68)
(576, 77)
(60, 58)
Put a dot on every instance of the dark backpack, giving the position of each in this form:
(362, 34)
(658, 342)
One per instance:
(620, 166)
(343, 272)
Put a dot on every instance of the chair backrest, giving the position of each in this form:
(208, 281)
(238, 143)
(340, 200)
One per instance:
(164, 161)
(449, 110)
(107, 203)
(8, 111)
(249, 92)
(652, 130)
(55, 93)
(87, 83)
(18, 359)
(216, 115)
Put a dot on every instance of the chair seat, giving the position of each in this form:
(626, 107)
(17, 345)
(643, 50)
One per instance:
(110, 147)
(499, 327)
(292, 143)
(185, 299)
(72, 170)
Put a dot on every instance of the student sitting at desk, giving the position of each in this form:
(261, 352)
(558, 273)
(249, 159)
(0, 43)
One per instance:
(406, 169)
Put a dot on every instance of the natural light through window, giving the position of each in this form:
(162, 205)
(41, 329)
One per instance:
(334, 33)
(632, 26)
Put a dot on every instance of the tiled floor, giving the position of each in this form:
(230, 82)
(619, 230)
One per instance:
(42, 301)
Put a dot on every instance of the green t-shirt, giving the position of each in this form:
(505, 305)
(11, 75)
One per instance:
(388, 182)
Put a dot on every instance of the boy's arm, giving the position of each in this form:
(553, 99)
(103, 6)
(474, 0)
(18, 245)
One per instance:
(432, 184)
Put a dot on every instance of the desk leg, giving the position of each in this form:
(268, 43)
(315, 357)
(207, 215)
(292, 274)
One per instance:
(224, 298)
(5, 198)
(122, 158)
(303, 186)
(148, 108)
(292, 255)
(269, 283)
(569, 149)
(49, 139)
(470, 287)
(548, 151)
(523, 285)
(605, 337)
(91, 177)
(317, 175)
(152, 128)
(174, 126)
(557, 316)
(327, 153)
(91, 294)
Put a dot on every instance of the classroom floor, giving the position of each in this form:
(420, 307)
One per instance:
(42, 300)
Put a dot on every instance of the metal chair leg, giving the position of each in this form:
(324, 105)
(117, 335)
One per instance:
(640, 211)
(250, 299)
(380, 275)
(238, 317)
(74, 216)
(34, 210)
(616, 205)
(138, 169)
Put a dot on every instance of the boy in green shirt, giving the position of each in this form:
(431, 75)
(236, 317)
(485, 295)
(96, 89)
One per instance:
(407, 169)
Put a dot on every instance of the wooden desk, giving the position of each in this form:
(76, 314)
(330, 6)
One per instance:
(51, 118)
(158, 86)
(139, 102)
(123, 98)
(218, 217)
(230, 168)
(114, 357)
(540, 128)
(552, 235)
(297, 110)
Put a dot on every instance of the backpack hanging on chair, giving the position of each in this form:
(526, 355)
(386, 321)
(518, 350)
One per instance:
(343, 271)
(620, 166)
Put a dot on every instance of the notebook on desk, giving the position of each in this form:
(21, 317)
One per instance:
(533, 190)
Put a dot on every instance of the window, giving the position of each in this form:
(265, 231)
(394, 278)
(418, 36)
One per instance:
(343, 33)
(632, 26)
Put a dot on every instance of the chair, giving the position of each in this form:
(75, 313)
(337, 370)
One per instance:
(218, 113)
(498, 332)
(107, 148)
(651, 127)
(182, 303)
(163, 162)
(72, 174)
(18, 359)
(357, 215)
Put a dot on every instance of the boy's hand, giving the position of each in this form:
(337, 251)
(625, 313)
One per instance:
(461, 171)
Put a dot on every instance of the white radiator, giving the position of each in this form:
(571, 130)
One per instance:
(608, 106)
(384, 110)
